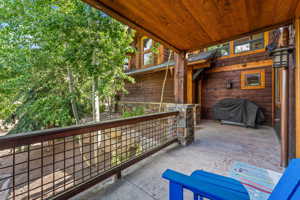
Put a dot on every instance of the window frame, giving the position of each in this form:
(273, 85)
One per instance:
(250, 41)
(262, 79)
(143, 52)
(224, 46)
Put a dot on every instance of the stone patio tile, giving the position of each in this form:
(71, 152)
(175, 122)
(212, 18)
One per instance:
(216, 147)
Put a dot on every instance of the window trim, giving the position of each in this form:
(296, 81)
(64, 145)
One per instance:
(262, 79)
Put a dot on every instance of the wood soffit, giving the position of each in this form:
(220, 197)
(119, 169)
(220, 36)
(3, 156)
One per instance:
(186, 25)
(297, 13)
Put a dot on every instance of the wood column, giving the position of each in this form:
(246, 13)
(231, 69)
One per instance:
(297, 84)
(231, 46)
(292, 109)
(266, 38)
(138, 62)
(190, 86)
(180, 78)
(284, 118)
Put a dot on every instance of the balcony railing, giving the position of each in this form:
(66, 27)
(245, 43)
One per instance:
(59, 163)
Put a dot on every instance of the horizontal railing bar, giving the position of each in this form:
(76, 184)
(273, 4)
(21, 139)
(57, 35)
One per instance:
(83, 186)
(12, 141)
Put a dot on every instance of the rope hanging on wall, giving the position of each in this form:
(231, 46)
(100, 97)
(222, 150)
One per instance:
(165, 80)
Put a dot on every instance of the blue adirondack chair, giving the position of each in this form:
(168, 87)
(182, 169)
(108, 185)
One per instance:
(215, 187)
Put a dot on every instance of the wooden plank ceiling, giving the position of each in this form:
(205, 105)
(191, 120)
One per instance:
(191, 24)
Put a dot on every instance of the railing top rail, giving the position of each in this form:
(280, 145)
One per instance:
(11, 141)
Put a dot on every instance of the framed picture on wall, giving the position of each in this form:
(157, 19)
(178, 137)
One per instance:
(253, 79)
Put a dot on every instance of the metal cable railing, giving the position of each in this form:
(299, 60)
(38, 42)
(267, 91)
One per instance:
(59, 163)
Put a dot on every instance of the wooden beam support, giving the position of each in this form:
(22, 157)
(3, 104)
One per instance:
(138, 62)
(231, 46)
(190, 90)
(297, 85)
(266, 38)
(249, 65)
(160, 55)
(200, 66)
(180, 78)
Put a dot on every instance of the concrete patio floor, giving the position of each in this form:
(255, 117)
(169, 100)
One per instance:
(215, 148)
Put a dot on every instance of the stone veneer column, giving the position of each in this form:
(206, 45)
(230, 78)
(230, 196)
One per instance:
(185, 122)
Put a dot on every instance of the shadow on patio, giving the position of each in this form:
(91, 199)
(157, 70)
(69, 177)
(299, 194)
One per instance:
(215, 148)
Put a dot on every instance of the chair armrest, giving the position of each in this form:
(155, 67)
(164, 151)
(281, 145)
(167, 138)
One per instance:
(202, 188)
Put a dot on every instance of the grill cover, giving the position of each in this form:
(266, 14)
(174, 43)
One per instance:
(238, 110)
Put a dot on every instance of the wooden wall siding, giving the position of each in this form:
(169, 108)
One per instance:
(244, 66)
(241, 59)
(214, 90)
(147, 88)
(166, 53)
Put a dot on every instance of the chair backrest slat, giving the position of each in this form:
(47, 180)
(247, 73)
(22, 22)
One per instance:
(296, 195)
(288, 187)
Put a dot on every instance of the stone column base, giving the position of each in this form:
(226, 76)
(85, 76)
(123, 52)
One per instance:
(185, 122)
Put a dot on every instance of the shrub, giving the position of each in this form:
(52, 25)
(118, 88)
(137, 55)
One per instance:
(134, 112)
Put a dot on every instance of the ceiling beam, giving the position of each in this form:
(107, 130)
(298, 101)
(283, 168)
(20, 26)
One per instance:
(118, 16)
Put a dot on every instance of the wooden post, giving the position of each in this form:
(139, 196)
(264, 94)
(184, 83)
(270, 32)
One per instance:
(231, 46)
(180, 83)
(266, 38)
(160, 56)
(297, 84)
(190, 86)
(284, 118)
(138, 62)
(291, 109)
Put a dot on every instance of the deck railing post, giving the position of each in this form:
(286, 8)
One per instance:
(180, 78)
(185, 122)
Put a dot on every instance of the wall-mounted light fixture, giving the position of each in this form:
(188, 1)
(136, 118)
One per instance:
(229, 84)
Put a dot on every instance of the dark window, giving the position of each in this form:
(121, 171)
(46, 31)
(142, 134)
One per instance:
(252, 79)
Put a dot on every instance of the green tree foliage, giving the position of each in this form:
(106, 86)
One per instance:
(41, 41)
(136, 111)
